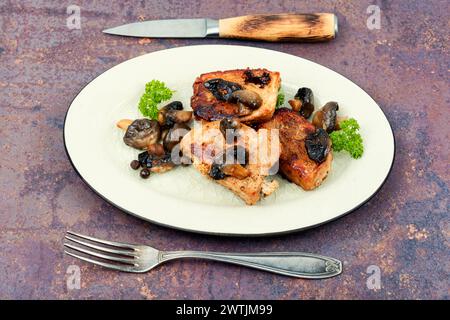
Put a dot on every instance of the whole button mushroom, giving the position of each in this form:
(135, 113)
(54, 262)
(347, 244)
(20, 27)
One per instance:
(141, 133)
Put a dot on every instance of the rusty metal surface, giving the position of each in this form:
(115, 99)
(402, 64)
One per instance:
(404, 229)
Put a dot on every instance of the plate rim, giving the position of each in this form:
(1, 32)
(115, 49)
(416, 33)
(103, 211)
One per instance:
(226, 234)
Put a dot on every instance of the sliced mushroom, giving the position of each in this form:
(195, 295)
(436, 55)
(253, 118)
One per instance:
(124, 123)
(326, 117)
(173, 113)
(222, 166)
(306, 97)
(244, 110)
(164, 134)
(296, 105)
(141, 133)
(155, 163)
(179, 116)
(318, 145)
(247, 97)
(161, 168)
(170, 117)
(156, 149)
(174, 136)
(219, 171)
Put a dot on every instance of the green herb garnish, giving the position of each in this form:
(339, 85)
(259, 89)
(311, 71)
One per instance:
(348, 138)
(155, 93)
(280, 99)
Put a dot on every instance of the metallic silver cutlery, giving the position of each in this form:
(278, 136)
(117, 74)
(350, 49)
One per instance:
(141, 258)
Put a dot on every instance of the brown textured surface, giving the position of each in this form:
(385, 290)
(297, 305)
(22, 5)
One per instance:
(294, 160)
(404, 229)
(280, 27)
(207, 106)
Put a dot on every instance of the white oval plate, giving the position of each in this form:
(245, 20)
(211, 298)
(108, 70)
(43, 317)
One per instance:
(182, 198)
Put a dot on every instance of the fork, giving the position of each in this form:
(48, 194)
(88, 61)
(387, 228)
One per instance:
(141, 258)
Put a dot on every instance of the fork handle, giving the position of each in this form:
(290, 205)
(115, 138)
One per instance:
(294, 264)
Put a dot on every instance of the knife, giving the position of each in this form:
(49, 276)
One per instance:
(263, 27)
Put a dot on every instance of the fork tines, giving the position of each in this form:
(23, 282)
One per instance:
(110, 254)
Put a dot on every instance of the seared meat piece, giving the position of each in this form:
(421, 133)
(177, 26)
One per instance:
(295, 164)
(211, 101)
(205, 142)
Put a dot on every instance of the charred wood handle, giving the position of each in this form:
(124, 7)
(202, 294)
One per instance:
(281, 27)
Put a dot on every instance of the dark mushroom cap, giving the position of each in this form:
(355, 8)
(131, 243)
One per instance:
(306, 96)
(150, 161)
(174, 105)
(141, 133)
(317, 145)
(216, 172)
(221, 89)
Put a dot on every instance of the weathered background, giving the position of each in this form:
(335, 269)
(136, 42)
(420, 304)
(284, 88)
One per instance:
(404, 229)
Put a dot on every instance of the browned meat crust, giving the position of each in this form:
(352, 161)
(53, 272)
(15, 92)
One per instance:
(209, 108)
(295, 164)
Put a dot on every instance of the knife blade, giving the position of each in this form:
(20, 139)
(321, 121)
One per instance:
(263, 27)
(175, 28)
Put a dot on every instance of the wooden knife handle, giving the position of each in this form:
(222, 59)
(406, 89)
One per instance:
(281, 27)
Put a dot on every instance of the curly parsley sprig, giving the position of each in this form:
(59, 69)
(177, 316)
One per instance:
(155, 93)
(348, 138)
